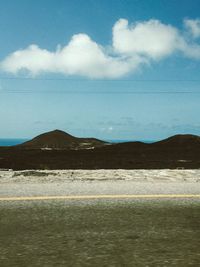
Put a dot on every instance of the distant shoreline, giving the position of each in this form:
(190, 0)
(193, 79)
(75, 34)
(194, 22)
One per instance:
(17, 141)
(12, 141)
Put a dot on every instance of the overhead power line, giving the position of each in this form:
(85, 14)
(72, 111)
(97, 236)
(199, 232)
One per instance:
(96, 92)
(98, 80)
(65, 91)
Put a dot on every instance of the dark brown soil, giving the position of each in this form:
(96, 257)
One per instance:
(181, 151)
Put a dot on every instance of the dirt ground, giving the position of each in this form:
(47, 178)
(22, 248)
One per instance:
(100, 233)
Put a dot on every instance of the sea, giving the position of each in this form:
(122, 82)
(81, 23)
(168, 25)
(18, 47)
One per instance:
(11, 141)
(17, 141)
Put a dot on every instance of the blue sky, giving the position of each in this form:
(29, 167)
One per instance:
(98, 93)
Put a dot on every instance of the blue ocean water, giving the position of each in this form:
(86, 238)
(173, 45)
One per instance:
(15, 141)
(11, 141)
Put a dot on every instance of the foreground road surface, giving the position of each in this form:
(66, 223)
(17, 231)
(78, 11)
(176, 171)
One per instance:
(99, 223)
(96, 188)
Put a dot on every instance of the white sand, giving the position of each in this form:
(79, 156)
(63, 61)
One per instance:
(52, 176)
(97, 182)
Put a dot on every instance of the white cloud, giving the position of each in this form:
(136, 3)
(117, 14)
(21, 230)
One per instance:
(149, 38)
(32, 58)
(191, 50)
(152, 39)
(81, 56)
(133, 46)
(193, 26)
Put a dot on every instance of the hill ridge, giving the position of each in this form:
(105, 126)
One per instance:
(58, 139)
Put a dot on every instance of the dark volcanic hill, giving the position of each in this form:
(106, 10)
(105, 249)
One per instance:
(180, 141)
(59, 150)
(177, 146)
(61, 140)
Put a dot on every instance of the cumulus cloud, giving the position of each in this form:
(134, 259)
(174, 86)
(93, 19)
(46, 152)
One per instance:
(193, 26)
(81, 56)
(133, 46)
(150, 38)
(32, 58)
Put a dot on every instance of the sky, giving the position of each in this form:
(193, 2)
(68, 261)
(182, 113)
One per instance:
(110, 69)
